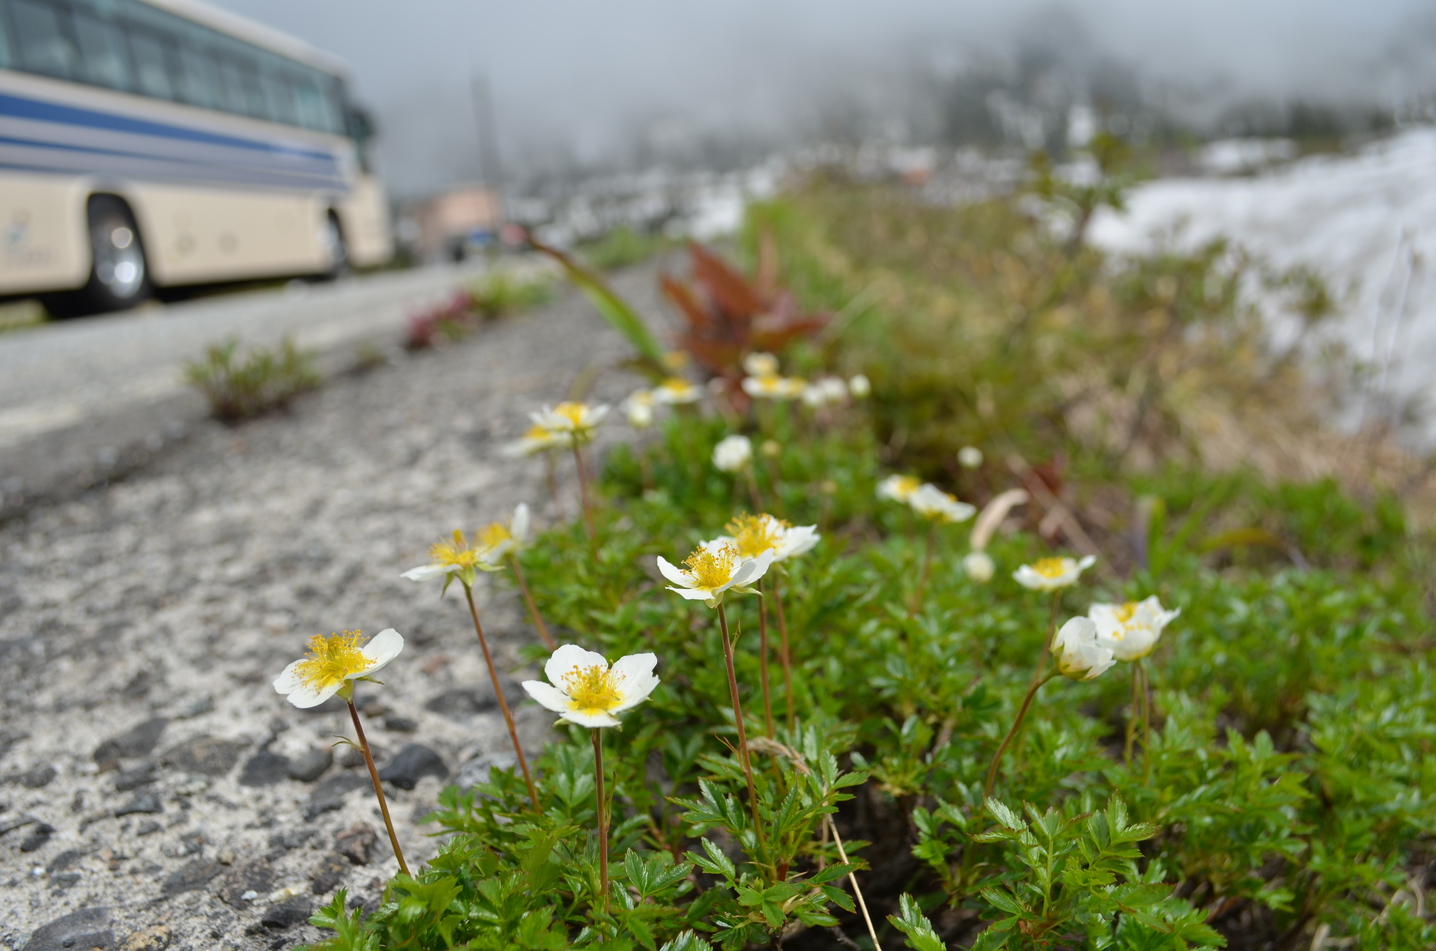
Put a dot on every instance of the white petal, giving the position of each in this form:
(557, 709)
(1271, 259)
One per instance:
(426, 572)
(520, 526)
(382, 648)
(751, 570)
(305, 696)
(1076, 631)
(547, 695)
(288, 680)
(590, 720)
(567, 658)
(638, 680)
(673, 573)
(1086, 562)
(693, 594)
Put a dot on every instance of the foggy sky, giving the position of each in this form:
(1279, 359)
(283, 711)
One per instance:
(574, 79)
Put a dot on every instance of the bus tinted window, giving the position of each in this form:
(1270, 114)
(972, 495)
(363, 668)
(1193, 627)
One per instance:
(279, 98)
(155, 57)
(241, 83)
(102, 52)
(44, 44)
(200, 80)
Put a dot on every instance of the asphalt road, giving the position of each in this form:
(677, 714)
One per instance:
(82, 400)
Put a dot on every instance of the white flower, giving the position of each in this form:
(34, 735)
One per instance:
(536, 440)
(1131, 630)
(1077, 652)
(714, 568)
(733, 453)
(583, 689)
(771, 448)
(675, 391)
(760, 364)
(1049, 574)
(931, 502)
(898, 488)
(334, 663)
(639, 409)
(499, 539)
(458, 560)
(755, 534)
(979, 566)
(970, 457)
(821, 392)
(573, 423)
(860, 387)
(774, 387)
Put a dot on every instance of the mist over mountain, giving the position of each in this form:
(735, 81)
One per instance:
(585, 88)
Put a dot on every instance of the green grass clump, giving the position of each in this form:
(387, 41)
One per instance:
(241, 386)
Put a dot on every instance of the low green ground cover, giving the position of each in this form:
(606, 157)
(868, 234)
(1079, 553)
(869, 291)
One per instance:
(1262, 779)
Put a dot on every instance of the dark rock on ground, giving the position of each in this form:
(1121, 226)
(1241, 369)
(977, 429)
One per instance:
(412, 763)
(150, 939)
(397, 724)
(37, 837)
(83, 929)
(135, 742)
(144, 802)
(264, 768)
(296, 911)
(329, 795)
(204, 754)
(148, 827)
(255, 877)
(142, 775)
(64, 880)
(291, 838)
(38, 777)
(462, 702)
(15, 822)
(192, 875)
(307, 767)
(356, 843)
(328, 874)
(64, 860)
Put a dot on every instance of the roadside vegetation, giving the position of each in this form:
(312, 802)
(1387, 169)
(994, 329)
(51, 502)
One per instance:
(958, 587)
(241, 385)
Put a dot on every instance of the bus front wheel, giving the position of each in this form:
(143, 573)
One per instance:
(119, 274)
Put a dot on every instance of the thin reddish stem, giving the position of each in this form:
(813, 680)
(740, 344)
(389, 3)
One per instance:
(602, 816)
(378, 788)
(743, 756)
(499, 693)
(583, 493)
(529, 601)
(763, 658)
(787, 657)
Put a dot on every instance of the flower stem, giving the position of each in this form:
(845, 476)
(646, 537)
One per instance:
(552, 485)
(602, 817)
(763, 658)
(1037, 683)
(1146, 718)
(743, 756)
(926, 570)
(378, 788)
(783, 647)
(857, 892)
(583, 493)
(499, 693)
(753, 495)
(1046, 646)
(1132, 718)
(529, 601)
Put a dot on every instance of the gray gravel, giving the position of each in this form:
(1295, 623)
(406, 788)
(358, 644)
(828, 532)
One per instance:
(153, 787)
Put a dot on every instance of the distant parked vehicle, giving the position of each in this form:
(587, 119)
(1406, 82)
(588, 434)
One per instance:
(158, 143)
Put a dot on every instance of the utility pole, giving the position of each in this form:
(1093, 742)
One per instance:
(491, 166)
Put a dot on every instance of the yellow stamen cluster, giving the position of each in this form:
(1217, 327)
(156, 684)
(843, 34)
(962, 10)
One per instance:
(592, 690)
(331, 659)
(754, 534)
(573, 412)
(1126, 612)
(494, 534)
(1050, 567)
(457, 553)
(907, 485)
(711, 568)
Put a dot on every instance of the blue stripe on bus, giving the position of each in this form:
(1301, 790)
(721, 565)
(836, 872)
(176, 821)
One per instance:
(43, 111)
(322, 177)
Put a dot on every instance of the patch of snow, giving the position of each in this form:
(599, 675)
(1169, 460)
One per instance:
(1240, 156)
(1366, 222)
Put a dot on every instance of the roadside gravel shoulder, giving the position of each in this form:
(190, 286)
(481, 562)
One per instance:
(152, 784)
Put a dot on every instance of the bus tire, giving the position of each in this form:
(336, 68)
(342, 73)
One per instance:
(119, 273)
(336, 246)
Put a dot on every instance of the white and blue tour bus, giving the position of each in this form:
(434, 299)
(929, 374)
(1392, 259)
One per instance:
(152, 144)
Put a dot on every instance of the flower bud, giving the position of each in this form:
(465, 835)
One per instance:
(979, 566)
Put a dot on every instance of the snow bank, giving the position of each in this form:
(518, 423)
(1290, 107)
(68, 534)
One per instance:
(1366, 222)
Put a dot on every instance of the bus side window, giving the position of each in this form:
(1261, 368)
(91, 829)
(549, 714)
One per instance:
(154, 63)
(241, 82)
(44, 45)
(6, 59)
(279, 98)
(200, 75)
(102, 52)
